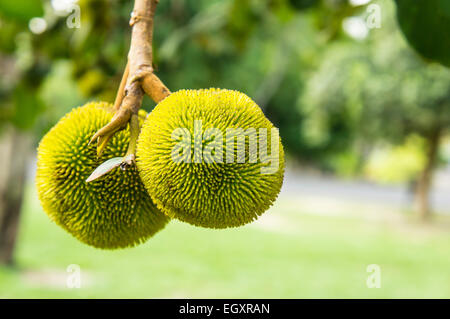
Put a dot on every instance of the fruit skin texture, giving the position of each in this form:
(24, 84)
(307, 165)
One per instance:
(213, 195)
(112, 212)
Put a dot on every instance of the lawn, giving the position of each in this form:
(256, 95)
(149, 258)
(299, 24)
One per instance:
(289, 253)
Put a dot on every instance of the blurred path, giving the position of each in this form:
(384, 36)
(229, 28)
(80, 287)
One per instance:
(298, 184)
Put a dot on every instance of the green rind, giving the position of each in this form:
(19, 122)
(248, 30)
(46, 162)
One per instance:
(113, 212)
(217, 195)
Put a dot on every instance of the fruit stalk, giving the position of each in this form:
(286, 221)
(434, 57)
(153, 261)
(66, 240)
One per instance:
(138, 78)
(121, 90)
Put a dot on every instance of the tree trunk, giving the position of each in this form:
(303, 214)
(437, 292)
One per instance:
(425, 180)
(14, 154)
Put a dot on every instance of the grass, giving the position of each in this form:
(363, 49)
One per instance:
(288, 254)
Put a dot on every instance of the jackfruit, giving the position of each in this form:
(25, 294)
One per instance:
(198, 159)
(112, 212)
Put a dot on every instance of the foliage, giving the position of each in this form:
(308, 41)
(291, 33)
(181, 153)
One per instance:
(328, 93)
(398, 164)
(21, 10)
(425, 24)
(251, 46)
(381, 89)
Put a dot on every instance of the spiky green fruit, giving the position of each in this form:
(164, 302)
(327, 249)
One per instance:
(112, 212)
(205, 191)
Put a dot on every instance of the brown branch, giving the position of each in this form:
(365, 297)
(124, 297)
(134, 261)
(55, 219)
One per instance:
(154, 88)
(141, 52)
(138, 77)
(140, 56)
(121, 90)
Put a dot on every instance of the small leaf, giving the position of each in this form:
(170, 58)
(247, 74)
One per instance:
(105, 168)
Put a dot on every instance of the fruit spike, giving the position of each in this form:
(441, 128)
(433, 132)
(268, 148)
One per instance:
(112, 212)
(196, 180)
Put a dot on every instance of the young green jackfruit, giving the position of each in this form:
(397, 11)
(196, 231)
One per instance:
(210, 158)
(112, 212)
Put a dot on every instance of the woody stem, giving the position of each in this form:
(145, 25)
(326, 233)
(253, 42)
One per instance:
(138, 78)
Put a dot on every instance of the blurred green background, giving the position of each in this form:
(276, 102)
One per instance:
(363, 117)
